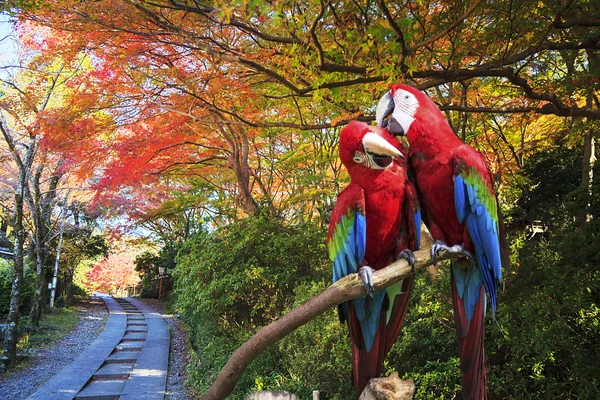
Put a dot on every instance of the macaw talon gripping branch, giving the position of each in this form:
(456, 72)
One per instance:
(440, 247)
(409, 256)
(366, 275)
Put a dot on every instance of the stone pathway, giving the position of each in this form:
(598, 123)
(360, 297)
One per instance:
(127, 361)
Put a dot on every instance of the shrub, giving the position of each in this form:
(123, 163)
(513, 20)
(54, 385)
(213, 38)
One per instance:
(234, 280)
(6, 275)
(246, 273)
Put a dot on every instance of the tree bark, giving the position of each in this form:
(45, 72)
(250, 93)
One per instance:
(42, 211)
(40, 248)
(347, 288)
(12, 322)
(587, 174)
(24, 166)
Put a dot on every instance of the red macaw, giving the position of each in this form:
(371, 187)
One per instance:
(457, 195)
(375, 221)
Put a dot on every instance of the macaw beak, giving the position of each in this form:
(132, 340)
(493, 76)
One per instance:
(385, 107)
(384, 117)
(375, 144)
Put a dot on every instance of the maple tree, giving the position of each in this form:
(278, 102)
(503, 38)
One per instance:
(112, 273)
(235, 73)
(317, 50)
(36, 96)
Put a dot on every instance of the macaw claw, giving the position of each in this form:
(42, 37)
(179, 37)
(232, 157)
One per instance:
(409, 256)
(366, 275)
(439, 247)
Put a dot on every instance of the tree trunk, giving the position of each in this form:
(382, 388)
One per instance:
(40, 287)
(12, 322)
(587, 174)
(42, 210)
(589, 147)
(24, 165)
(40, 248)
(3, 229)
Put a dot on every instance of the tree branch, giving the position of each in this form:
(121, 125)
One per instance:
(348, 288)
(444, 32)
(395, 27)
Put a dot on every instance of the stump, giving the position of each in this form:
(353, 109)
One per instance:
(271, 395)
(390, 388)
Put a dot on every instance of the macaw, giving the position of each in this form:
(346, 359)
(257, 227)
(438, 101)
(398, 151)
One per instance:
(374, 222)
(460, 208)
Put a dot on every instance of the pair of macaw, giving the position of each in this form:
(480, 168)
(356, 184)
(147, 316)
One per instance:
(377, 218)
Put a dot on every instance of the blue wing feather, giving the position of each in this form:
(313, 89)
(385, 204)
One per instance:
(472, 211)
(418, 228)
(347, 245)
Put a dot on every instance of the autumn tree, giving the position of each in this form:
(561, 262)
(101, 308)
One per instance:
(313, 65)
(33, 98)
(113, 273)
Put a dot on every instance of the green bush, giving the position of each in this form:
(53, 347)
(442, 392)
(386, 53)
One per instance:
(549, 321)
(6, 275)
(234, 280)
(426, 349)
(317, 355)
(27, 290)
(246, 273)
(211, 347)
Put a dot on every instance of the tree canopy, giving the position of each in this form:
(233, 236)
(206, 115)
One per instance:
(212, 127)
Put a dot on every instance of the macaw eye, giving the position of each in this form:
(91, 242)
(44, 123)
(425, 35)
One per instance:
(358, 159)
(406, 97)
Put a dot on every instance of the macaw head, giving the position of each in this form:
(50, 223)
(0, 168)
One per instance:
(401, 106)
(367, 146)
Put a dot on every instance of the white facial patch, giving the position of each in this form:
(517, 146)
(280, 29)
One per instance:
(405, 108)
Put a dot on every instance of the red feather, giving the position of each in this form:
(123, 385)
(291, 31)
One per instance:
(434, 149)
(470, 345)
(385, 208)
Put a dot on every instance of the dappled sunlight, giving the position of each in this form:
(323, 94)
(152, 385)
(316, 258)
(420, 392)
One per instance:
(144, 372)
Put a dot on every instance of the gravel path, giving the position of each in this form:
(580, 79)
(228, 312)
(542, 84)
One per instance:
(178, 355)
(23, 381)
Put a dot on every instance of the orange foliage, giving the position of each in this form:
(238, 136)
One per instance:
(115, 271)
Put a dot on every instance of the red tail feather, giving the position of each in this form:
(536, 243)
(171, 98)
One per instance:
(470, 345)
(366, 366)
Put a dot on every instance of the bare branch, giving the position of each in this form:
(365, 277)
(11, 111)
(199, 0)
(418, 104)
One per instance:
(348, 288)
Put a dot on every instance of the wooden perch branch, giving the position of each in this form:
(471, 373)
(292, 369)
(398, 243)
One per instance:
(348, 288)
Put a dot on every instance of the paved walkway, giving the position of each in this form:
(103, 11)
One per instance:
(127, 361)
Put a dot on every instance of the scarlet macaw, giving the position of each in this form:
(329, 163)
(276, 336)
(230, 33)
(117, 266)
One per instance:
(375, 221)
(461, 210)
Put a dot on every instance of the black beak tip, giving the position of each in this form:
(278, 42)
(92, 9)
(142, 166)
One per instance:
(395, 127)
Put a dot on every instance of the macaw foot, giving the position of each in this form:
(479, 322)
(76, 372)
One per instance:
(439, 247)
(366, 275)
(409, 256)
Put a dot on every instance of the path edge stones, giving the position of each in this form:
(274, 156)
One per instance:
(72, 378)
